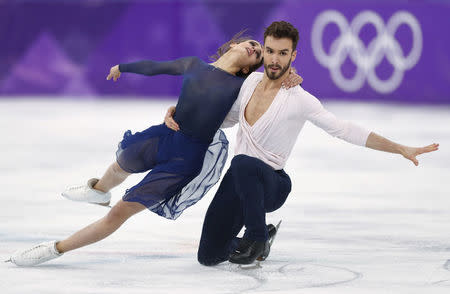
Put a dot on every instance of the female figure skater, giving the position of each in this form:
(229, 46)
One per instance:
(174, 158)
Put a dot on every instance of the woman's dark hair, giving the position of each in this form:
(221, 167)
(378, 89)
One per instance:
(237, 38)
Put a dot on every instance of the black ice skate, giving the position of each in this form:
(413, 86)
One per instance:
(272, 230)
(248, 251)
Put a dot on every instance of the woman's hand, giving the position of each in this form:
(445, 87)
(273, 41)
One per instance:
(114, 73)
(169, 121)
(292, 80)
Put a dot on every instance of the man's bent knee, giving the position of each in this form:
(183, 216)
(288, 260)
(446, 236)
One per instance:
(210, 260)
(209, 255)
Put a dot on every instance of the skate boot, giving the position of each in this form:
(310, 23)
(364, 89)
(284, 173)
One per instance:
(248, 251)
(87, 193)
(35, 255)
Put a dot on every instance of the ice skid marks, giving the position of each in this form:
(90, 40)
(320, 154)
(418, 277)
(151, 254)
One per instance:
(289, 275)
(445, 266)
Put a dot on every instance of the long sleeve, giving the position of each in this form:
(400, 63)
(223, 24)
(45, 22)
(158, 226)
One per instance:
(313, 110)
(151, 67)
(232, 117)
(272, 138)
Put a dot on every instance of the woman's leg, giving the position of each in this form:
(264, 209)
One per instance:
(101, 228)
(113, 177)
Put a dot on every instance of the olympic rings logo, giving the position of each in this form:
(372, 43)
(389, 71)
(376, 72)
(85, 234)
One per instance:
(367, 58)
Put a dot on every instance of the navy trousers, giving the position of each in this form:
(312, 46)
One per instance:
(249, 189)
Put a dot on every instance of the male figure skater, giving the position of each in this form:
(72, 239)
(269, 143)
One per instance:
(270, 119)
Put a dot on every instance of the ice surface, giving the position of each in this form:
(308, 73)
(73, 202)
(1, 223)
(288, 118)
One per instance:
(357, 220)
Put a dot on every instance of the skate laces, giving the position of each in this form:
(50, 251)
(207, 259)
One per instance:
(76, 188)
(37, 253)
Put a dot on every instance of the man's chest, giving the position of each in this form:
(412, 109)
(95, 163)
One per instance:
(258, 104)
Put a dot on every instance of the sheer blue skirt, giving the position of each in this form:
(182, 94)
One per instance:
(182, 169)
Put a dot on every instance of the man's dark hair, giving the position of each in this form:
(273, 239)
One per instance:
(238, 38)
(282, 29)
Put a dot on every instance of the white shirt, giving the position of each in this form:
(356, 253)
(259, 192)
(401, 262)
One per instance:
(273, 135)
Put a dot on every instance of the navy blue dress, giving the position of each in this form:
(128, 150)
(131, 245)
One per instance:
(183, 165)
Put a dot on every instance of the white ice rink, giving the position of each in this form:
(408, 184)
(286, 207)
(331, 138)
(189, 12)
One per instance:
(357, 220)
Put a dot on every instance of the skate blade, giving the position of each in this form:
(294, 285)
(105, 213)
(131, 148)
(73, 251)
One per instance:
(106, 204)
(277, 227)
(262, 257)
(250, 266)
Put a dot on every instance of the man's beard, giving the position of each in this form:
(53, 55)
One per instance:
(275, 76)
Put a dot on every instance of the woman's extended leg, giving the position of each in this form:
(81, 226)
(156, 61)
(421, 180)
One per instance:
(102, 228)
(97, 191)
(95, 232)
(113, 177)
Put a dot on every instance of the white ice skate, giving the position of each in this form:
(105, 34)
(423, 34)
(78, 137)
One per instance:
(35, 255)
(87, 193)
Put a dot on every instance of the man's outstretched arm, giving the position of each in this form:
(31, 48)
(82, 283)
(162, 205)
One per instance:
(377, 142)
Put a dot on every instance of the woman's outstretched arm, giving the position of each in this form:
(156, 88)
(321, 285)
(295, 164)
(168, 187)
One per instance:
(151, 67)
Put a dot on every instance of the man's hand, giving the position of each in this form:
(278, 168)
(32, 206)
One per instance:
(377, 142)
(114, 73)
(292, 80)
(411, 152)
(169, 121)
